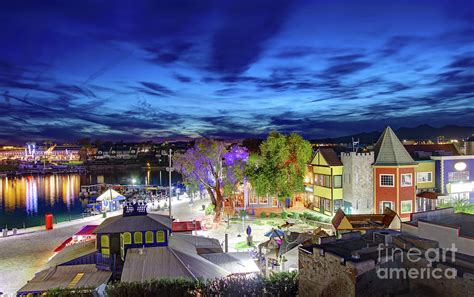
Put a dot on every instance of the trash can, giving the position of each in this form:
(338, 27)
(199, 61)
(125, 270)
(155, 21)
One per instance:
(15, 230)
(104, 215)
(48, 219)
(203, 207)
(5, 232)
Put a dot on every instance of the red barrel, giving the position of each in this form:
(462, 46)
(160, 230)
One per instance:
(48, 219)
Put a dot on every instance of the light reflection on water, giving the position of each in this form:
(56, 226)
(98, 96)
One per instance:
(25, 200)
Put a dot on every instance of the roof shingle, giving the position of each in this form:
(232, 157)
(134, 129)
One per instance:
(390, 151)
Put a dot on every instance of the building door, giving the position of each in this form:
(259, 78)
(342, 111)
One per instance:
(122, 249)
(385, 204)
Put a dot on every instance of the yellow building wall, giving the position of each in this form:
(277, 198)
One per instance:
(322, 170)
(337, 170)
(337, 193)
(319, 160)
(426, 166)
(322, 192)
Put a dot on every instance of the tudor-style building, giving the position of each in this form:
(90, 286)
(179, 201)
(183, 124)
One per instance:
(394, 176)
(327, 183)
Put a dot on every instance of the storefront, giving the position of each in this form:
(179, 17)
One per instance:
(454, 177)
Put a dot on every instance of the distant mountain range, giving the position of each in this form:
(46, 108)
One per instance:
(422, 132)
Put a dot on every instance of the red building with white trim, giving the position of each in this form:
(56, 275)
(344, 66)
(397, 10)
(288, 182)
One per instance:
(394, 176)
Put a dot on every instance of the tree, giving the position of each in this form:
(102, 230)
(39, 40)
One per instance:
(214, 167)
(280, 168)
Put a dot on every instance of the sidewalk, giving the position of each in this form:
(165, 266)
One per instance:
(30, 230)
(23, 255)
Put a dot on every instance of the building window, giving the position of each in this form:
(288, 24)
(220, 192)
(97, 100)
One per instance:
(253, 198)
(137, 238)
(338, 181)
(263, 200)
(149, 237)
(327, 205)
(406, 180)
(337, 204)
(105, 245)
(322, 180)
(127, 238)
(317, 202)
(424, 177)
(458, 176)
(160, 236)
(275, 201)
(386, 180)
(406, 207)
(385, 204)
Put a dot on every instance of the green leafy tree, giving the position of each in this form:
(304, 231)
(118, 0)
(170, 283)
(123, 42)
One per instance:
(280, 169)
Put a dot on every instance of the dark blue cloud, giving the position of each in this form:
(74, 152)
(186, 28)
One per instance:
(154, 69)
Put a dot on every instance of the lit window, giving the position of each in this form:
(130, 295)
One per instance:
(160, 236)
(148, 237)
(127, 238)
(317, 201)
(275, 201)
(322, 180)
(327, 205)
(104, 245)
(406, 207)
(252, 198)
(263, 199)
(424, 177)
(137, 238)
(458, 176)
(386, 180)
(406, 180)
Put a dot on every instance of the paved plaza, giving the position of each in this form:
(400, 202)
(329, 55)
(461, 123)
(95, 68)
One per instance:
(23, 255)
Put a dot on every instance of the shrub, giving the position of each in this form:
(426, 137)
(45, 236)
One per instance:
(283, 284)
(284, 215)
(80, 292)
(263, 215)
(243, 213)
(316, 217)
(164, 287)
(235, 286)
(209, 209)
(272, 215)
(296, 216)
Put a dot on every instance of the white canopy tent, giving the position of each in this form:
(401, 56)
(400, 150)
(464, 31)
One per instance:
(112, 195)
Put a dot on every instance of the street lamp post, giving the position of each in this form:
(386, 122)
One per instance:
(171, 192)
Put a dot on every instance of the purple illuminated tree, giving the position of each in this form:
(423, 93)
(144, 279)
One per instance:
(214, 167)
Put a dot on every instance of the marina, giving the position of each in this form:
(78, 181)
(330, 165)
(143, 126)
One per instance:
(26, 199)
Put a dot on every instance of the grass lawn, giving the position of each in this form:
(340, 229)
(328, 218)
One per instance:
(274, 222)
(242, 246)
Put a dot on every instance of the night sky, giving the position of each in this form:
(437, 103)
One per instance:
(139, 70)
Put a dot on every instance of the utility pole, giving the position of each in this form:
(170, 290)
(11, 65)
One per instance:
(171, 191)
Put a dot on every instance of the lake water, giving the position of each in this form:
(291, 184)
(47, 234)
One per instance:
(25, 200)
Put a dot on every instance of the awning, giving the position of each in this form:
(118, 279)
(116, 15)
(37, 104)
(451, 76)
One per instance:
(111, 194)
(86, 230)
(428, 195)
